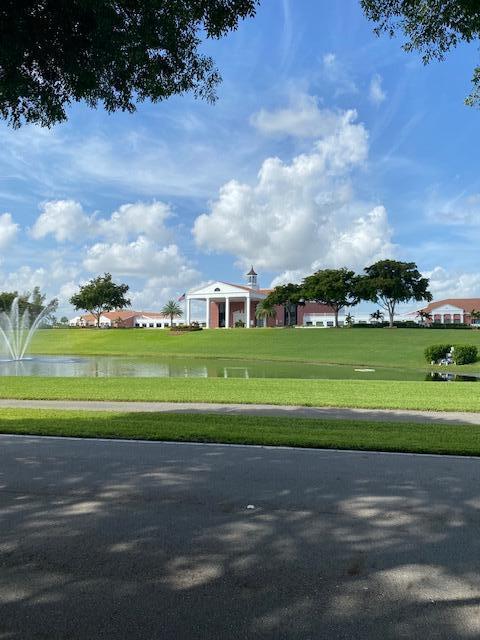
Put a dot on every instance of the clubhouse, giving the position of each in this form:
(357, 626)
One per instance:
(453, 311)
(229, 305)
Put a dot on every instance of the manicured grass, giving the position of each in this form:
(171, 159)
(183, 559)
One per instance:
(337, 434)
(373, 394)
(374, 347)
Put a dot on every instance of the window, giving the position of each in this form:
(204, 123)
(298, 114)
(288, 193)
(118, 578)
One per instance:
(309, 323)
(329, 323)
(158, 325)
(217, 289)
(319, 323)
(151, 324)
(144, 324)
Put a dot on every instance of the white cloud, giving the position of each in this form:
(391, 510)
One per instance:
(138, 218)
(337, 74)
(142, 257)
(376, 92)
(8, 230)
(446, 284)
(157, 291)
(24, 279)
(460, 210)
(66, 220)
(302, 215)
(303, 118)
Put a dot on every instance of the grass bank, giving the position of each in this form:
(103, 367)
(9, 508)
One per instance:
(369, 347)
(371, 394)
(336, 434)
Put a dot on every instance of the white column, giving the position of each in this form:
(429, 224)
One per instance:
(207, 317)
(247, 314)
(187, 310)
(227, 313)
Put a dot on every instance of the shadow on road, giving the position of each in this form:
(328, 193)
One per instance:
(152, 540)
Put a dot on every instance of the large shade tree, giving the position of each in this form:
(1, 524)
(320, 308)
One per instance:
(288, 296)
(390, 282)
(115, 52)
(99, 295)
(432, 27)
(336, 288)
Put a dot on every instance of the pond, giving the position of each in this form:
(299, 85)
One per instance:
(155, 367)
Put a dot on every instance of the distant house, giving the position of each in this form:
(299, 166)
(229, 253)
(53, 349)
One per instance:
(125, 319)
(227, 304)
(453, 311)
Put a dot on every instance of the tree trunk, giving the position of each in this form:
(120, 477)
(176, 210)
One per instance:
(390, 317)
(336, 318)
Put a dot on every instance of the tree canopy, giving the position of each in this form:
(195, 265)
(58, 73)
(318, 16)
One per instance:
(99, 295)
(288, 296)
(432, 27)
(389, 282)
(334, 287)
(34, 302)
(115, 52)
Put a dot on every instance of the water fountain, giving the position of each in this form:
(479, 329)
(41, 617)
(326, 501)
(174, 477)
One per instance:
(16, 330)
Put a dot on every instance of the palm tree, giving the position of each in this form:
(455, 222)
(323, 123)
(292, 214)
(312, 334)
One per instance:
(265, 311)
(377, 316)
(173, 310)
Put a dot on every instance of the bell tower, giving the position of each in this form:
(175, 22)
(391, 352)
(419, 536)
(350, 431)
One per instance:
(252, 280)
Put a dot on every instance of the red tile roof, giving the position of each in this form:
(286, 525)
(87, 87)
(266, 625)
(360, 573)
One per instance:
(467, 304)
(124, 315)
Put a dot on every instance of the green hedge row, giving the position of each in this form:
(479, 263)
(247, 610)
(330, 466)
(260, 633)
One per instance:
(462, 353)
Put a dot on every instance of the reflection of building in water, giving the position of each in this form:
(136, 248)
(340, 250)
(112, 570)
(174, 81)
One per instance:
(446, 376)
(235, 372)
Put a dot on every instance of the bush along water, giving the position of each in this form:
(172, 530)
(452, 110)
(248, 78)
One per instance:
(451, 354)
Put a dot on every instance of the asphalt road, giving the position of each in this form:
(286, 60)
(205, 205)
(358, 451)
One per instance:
(137, 540)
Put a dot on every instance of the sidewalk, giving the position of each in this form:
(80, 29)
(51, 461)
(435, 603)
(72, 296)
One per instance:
(379, 415)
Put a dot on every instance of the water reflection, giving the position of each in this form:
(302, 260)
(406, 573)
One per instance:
(448, 376)
(153, 367)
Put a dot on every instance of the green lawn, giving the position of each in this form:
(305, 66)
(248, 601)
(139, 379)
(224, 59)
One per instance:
(341, 434)
(337, 393)
(369, 347)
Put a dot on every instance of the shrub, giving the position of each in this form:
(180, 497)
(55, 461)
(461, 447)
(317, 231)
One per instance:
(462, 353)
(186, 327)
(451, 325)
(239, 324)
(465, 353)
(436, 352)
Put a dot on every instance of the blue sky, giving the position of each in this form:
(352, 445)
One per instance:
(327, 147)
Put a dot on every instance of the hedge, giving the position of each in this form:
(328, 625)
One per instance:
(462, 353)
(465, 353)
(436, 352)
